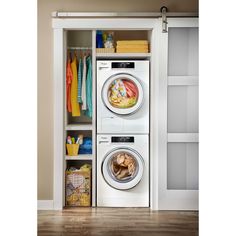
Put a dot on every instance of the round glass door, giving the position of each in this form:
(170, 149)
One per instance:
(122, 94)
(123, 168)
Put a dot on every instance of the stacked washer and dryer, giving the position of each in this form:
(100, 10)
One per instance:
(123, 133)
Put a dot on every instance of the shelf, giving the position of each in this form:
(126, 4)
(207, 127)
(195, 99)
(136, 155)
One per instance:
(79, 127)
(80, 157)
(122, 55)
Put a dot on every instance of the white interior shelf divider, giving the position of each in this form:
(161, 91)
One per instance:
(80, 157)
(79, 127)
(122, 55)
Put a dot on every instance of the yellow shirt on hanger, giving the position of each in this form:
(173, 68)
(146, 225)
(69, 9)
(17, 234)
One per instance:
(74, 90)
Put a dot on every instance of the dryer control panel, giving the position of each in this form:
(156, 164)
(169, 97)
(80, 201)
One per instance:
(120, 139)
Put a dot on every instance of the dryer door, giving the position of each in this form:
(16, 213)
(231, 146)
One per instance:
(122, 94)
(122, 168)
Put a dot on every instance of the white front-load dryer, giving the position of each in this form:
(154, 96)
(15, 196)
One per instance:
(123, 97)
(122, 171)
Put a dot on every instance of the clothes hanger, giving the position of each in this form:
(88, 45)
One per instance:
(87, 52)
(81, 54)
(68, 55)
(75, 53)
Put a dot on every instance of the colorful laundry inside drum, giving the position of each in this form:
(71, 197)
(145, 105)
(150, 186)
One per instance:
(123, 93)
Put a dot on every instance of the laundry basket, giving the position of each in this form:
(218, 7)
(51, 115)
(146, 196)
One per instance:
(78, 188)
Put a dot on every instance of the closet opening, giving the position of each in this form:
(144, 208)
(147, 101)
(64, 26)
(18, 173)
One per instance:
(78, 77)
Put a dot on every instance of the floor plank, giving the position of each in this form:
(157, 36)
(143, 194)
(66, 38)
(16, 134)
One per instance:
(117, 222)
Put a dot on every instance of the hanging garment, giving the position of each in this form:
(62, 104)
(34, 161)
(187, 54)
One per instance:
(80, 75)
(89, 88)
(83, 94)
(69, 77)
(74, 90)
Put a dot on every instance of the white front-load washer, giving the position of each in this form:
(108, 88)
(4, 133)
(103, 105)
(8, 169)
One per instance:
(123, 97)
(122, 170)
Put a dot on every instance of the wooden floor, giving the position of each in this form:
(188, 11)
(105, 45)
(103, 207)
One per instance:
(117, 222)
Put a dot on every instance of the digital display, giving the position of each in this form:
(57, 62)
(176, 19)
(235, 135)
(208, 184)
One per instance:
(122, 65)
(124, 139)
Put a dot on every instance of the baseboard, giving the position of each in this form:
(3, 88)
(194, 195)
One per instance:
(45, 205)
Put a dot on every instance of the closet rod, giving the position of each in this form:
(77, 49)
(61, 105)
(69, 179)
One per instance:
(58, 14)
(79, 48)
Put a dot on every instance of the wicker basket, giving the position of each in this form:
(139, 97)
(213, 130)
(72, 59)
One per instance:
(78, 188)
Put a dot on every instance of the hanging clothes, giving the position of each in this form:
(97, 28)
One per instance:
(80, 76)
(74, 89)
(89, 88)
(69, 77)
(83, 94)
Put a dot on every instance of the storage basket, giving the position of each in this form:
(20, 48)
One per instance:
(78, 188)
(72, 149)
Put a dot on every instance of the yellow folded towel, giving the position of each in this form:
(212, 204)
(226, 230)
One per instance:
(132, 42)
(132, 47)
(131, 50)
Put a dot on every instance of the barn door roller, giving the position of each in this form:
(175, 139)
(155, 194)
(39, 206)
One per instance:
(164, 20)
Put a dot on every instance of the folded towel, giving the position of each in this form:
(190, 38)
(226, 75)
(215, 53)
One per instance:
(131, 50)
(132, 47)
(132, 42)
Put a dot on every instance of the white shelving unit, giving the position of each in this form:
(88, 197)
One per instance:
(72, 34)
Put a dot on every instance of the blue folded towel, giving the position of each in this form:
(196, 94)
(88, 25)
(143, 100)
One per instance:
(86, 147)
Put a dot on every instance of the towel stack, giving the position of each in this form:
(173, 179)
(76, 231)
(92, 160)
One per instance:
(132, 46)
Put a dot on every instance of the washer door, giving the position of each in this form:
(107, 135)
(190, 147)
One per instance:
(122, 168)
(122, 94)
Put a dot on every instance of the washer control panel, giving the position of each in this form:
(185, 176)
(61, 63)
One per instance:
(116, 139)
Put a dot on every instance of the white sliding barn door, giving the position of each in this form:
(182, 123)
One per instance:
(177, 106)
